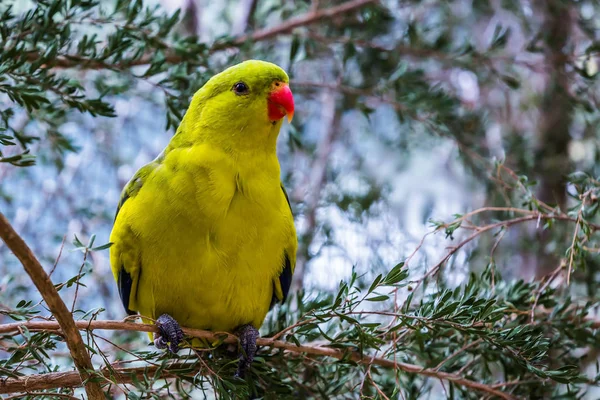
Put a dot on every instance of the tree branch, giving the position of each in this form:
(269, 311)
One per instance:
(72, 61)
(42, 394)
(58, 308)
(303, 20)
(532, 215)
(126, 375)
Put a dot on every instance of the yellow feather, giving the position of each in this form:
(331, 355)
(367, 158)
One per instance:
(204, 229)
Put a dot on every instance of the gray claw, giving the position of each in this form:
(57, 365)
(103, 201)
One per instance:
(248, 335)
(170, 334)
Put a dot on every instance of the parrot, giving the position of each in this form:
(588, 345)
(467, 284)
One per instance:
(204, 235)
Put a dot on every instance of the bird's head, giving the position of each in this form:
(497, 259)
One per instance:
(242, 107)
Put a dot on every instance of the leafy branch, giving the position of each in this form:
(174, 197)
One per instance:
(126, 375)
(172, 56)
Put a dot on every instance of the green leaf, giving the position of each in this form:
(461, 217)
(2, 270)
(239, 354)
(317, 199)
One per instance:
(375, 283)
(382, 297)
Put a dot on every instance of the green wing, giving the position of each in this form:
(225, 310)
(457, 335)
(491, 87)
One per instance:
(130, 190)
(125, 280)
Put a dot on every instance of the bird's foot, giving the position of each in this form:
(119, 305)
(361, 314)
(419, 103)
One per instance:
(170, 334)
(248, 335)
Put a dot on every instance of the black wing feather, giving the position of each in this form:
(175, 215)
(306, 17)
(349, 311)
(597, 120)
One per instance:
(125, 283)
(125, 280)
(285, 279)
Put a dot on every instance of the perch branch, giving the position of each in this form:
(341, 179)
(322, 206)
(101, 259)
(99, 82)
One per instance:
(126, 375)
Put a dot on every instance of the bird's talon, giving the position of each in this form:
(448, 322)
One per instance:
(160, 342)
(248, 335)
(170, 334)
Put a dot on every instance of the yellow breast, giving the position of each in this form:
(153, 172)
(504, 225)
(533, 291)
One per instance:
(211, 235)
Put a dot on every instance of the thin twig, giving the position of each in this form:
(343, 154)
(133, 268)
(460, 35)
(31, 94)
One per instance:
(502, 168)
(77, 283)
(42, 281)
(62, 246)
(549, 279)
(572, 248)
(516, 382)
(456, 353)
(532, 216)
(291, 327)
(376, 386)
(433, 270)
(493, 263)
(41, 394)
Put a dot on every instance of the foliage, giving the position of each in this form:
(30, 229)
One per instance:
(500, 97)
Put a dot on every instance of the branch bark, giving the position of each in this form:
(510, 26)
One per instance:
(64, 319)
(556, 114)
(303, 20)
(127, 375)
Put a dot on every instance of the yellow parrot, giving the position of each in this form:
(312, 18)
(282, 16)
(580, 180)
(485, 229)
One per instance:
(204, 235)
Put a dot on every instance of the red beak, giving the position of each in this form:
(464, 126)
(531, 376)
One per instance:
(281, 102)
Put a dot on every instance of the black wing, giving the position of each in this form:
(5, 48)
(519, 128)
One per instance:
(285, 278)
(125, 280)
(125, 284)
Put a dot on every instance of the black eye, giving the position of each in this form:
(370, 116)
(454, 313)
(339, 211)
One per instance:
(240, 88)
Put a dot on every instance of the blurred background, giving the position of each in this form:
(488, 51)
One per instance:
(407, 113)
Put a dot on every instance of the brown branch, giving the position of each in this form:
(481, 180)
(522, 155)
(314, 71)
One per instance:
(58, 308)
(126, 375)
(548, 279)
(457, 352)
(71, 61)
(497, 169)
(530, 216)
(433, 270)
(72, 379)
(303, 20)
(42, 394)
(536, 214)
